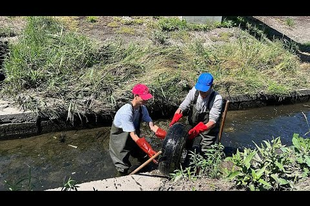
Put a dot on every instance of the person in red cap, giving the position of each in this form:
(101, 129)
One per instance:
(125, 137)
(203, 107)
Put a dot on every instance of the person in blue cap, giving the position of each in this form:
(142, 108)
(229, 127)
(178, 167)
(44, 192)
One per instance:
(203, 106)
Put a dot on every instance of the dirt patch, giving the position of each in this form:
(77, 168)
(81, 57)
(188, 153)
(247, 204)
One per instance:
(105, 28)
(203, 184)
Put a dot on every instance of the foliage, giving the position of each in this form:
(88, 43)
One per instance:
(49, 62)
(300, 151)
(269, 167)
(272, 166)
(206, 164)
(171, 24)
(23, 183)
(92, 19)
(46, 52)
(70, 185)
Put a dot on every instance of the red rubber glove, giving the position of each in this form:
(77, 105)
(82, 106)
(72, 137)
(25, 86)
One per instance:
(160, 133)
(146, 147)
(200, 127)
(176, 117)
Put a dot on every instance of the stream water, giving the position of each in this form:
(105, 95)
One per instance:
(50, 160)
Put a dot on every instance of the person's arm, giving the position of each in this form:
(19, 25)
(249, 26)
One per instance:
(144, 145)
(134, 136)
(216, 109)
(187, 101)
(152, 126)
(184, 105)
(159, 132)
(146, 118)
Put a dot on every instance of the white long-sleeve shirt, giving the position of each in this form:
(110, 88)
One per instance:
(201, 104)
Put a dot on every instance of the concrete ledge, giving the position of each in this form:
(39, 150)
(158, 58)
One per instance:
(259, 100)
(135, 182)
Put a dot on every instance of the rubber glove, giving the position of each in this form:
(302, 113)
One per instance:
(146, 147)
(176, 117)
(200, 127)
(160, 133)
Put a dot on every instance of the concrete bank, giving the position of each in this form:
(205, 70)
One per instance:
(136, 182)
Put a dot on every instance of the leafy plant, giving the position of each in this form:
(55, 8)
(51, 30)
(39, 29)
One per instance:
(70, 185)
(301, 151)
(269, 167)
(25, 182)
(206, 164)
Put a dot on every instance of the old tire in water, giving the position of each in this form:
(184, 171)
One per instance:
(173, 149)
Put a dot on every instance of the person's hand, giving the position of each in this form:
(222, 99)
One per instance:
(200, 127)
(176, 117)
(146, 147)
(160, 133)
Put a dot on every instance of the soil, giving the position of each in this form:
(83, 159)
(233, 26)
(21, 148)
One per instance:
(203, 184)
(296, 27)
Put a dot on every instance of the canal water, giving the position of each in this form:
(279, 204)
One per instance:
(50, 160)
(244, 127)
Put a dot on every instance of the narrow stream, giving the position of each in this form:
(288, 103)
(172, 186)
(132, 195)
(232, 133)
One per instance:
(49, 160)
(244, 127)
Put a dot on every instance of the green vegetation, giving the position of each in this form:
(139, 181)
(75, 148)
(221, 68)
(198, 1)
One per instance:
(92, 19)
(289, 22)
(270, 167)
(70, 185)
(53, 69)
(22, 183)
(207, 165)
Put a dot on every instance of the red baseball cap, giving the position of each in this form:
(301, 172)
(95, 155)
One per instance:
(142, 90)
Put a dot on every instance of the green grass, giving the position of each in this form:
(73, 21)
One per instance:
(51, 61)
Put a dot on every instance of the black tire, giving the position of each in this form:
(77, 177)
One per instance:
(2, 77)
(174, 148)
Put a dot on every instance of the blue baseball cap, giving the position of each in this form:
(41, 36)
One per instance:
(204, 82)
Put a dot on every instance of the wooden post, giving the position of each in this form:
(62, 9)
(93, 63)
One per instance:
(223, 121)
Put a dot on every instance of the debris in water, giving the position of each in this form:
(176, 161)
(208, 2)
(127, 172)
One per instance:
(70, 145)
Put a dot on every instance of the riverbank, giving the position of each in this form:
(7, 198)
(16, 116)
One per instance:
(17, 123)
(86, 88)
